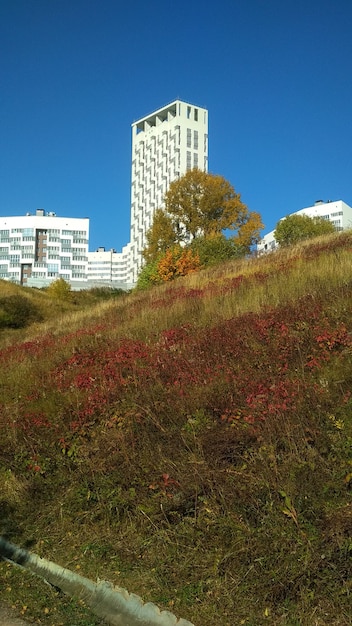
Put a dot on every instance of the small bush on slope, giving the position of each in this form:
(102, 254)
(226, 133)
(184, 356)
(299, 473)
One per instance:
(17, 311)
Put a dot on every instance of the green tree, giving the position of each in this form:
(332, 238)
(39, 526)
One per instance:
(294, 228)
(217, 249)
(148, 276)
(201, 205)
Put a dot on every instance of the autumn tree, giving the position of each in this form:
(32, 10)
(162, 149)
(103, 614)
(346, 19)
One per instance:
(295, 228)
(160, 236)
(200, 204)
(59, 289)
(177, 261)
(174, 262)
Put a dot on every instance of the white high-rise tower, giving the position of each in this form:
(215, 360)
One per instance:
(165, 145)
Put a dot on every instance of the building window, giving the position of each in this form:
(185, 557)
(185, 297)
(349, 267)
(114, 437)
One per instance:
(189, 160)
(195, 140)
(188, 113)
(189, 138)
(196, 115)
(195, 160)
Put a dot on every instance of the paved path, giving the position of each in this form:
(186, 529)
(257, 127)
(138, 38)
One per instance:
(8, 617)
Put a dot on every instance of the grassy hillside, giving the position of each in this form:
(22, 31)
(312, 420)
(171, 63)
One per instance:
(192, 443)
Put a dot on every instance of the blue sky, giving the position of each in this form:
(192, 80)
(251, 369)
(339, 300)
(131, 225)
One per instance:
(275, 75)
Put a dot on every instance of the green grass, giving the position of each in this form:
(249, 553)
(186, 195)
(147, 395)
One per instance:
(191, 443)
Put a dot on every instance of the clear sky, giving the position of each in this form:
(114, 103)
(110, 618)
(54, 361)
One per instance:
(275, 75)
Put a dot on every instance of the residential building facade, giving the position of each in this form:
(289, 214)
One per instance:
(108, 267)
(37, 249)
(337, 212)
(165, 144)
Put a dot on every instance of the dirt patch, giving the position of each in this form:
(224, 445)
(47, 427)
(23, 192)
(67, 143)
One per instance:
(9, 617)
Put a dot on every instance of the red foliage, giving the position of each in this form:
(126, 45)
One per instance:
(250, 368)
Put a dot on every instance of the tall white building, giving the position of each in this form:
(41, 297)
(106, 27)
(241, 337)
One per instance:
(165, 144)
(37, 249)
(337, 212)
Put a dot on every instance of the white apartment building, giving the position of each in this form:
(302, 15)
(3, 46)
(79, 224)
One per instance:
(108, 267)
(337, 212)
(165, 144)
(37, 249)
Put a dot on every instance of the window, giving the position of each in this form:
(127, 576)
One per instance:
(189, 160)
(195, 160)
(28, 232)
(196, 115)
(188, 112)
(195, 140)
(189, 138)
(4, 233)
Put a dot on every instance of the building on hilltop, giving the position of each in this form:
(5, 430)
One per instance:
(165, 144)
(109, 268)
(338, 212)
(37, 249)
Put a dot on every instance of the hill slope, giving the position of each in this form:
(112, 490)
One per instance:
(193, 443)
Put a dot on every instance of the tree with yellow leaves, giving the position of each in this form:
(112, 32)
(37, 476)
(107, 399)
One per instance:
(205, 205)
(177, 261)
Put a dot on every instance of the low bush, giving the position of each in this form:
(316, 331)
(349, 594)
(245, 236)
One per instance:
(17, 311)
